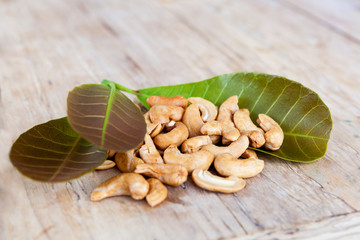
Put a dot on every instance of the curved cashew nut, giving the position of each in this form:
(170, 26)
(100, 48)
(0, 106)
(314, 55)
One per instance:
(131, 184)
(127, 161)
(235, 148)
(157, 193)
(165, 113)
(152, 129)
(226, 165)
(201, 159)
(249, 153)
(208, 109)
(227, 109)
(210, 182)
(178, 100)
(193, 120)
(170, 174)
(175, 137)
(107, 164)
(148, 151)
(274, 135)
(246, 127)
(218, 128)
(195, 143)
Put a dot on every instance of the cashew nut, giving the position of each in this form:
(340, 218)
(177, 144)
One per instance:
(165, 113)
(219, 128)
(107, 164)
(152, 129)
(111, 153)
(195, 143)
(175, 137)
(178, 100)
(215, 138)
(193, 120)
(246, 127)
(208, 109)
(170, 174)
(131, 184)
(274, 135)
(227, 109)
(148, 151)
(157, 192)
(210, 182)
(249, 153)
(127, 161)
(235, 148)
(201, 159)
(226, 165)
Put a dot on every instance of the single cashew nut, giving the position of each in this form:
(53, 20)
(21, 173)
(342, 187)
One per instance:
(235, 148)
(127, 161)
(249, 153)
(226, 165)
(208, 109)
(148, 151)
(210, 182)
(107, 164)
(152, 129)
(131, 184)
(227, 109)
(178, 100)
(218, 128)
(111, 153)
(246, 127)
(157, 192)
(193, 120)
(165, 113)
(175, 137)
(170, 174)
(195, 143)
(274, 135)
(201, 159)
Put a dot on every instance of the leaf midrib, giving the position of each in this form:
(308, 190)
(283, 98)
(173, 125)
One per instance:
(108, 109)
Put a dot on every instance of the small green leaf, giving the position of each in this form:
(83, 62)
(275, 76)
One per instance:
(303, 116)
(104, 116)
(54, 152)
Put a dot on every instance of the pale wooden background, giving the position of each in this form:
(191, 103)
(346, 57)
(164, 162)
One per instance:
(48, 47)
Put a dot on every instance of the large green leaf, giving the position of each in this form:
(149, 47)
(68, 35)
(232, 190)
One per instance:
(303, 116)
(54, 152)
(104, 116)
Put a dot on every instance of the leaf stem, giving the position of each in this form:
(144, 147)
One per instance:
(120, 87)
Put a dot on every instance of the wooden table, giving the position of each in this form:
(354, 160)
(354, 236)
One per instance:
(49, 47)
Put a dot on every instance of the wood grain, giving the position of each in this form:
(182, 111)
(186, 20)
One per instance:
(49, 47)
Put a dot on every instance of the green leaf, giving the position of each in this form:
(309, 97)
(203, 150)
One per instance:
(303, 116)
(104, 116)
(54, 152)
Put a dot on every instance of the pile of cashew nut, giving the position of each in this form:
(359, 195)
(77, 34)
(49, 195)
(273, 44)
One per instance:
(188, 136)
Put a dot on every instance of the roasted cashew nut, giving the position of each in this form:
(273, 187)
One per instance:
(227, 109)
(235, 148)
(148, 151)
(192, 119)
(208, 109)
(178, 100)
(246, 127)
(175, 137)
(170, 174)
(111, 153)
(274, 135)
(165, 113)
(131, 184)
(107, 164)
(249, 153)
(195, 143)
(201, 159)
(210, 182)
(152, 129)
(226, 165)
(127, 161)
(219, 128)
(157, 192)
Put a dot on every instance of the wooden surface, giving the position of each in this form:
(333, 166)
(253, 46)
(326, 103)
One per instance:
(48, 47)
